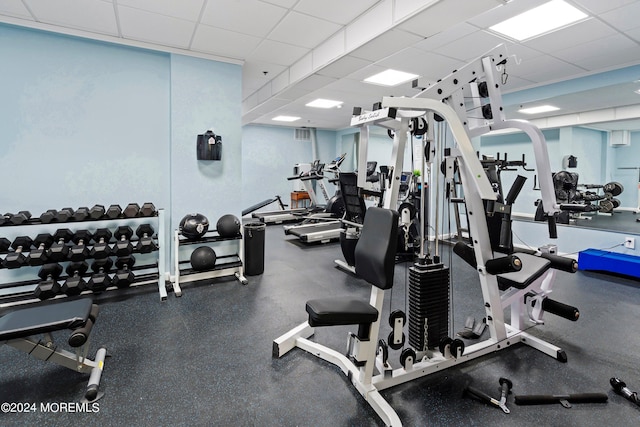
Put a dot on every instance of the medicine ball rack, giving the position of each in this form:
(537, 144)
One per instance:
(232, 264)
(19, 286)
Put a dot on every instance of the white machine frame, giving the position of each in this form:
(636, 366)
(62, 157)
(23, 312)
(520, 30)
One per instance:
(396, 114)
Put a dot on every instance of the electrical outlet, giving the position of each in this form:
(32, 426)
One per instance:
(630, 242)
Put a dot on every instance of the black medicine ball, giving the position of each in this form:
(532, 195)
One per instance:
(203, 258)
(228, 226)
(193, 226)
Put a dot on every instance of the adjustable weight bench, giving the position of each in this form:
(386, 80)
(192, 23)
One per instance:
(19, 327)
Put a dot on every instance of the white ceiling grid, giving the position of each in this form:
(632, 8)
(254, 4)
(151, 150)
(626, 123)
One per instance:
(293, 51)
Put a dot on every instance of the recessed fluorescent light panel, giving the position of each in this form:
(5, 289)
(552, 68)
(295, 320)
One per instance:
(390, 78)
(538, 110)
(286, 118)
(543, 19)
(324, 103)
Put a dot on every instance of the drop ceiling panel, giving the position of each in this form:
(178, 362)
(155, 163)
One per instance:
(282, 3)
(545, 68)
(623, 18)
(369, 24)
(338, 11)
(303, 30)
(586, 31)
(445, 37)
(156, 28)
(470, 46)
(251, 17)
(600, 6)
(222, 42)
(329, 50)
(406, 7)
(277, 53)
(15, 8)
(184, 9)
(429, 66)
(343, 66)
(612, 52)
(91, 15)
(385, 45)
(505, 11)
(445, 14)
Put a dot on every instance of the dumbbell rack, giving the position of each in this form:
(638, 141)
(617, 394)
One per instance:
(231, 265)
(21, 291)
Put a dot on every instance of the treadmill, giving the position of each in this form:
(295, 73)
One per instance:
(325, 226)
(294, 215)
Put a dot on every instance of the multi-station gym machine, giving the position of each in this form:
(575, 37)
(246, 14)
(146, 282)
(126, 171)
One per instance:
(515, 281)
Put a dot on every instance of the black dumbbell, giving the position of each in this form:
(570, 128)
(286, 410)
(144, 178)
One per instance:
(5, 244)
(81, 214)
(123, 246)
(100, 279)
(49, 286)
(131, 211)
(75, 283)
(40, 255)
(147, 209)
(15, 219)
(80, 250)
(124, 277)
(59, 251)
(49, 216)
(101, 248)
(21, 217)
(96, 212)
(17, 258)
(114, 212)
(145, 242)
(64, 215)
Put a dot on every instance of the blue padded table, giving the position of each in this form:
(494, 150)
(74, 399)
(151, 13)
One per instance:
(610, 262)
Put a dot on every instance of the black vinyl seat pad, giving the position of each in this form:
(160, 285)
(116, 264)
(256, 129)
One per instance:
(40, 319)
(334, 311)
(532, 268)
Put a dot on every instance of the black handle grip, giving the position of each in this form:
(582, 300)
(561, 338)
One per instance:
(505, 264)
(478, 394)
(515, 189)
(505, 232)
(545, 399)
(560, 309)
(465, 252)
(553, 230)
(563, 263)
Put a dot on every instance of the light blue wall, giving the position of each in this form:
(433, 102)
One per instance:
(82, 122)
(86, 122)
(205, 95)
(268, 156)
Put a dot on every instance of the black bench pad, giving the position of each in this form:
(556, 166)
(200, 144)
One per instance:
(340, 311)
(40, 318)
(532, 268)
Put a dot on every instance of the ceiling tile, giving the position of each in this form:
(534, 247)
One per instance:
(599, 6)
(91, 15)
(338, 11)
(146, 26)
(404, 8)
(184, 9)
(623, 18)
(14, 8)
(429, 66)
(386, 44)
(471, 46)
(612, 52)
(445, 37)
(504, 11)
(222, 42)
(282, 3)
(544, 68)
(253, 77)
(277, 53)
(445, 14)
(343, 66)
(303, 30)
(251, 17)
(585, 31)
